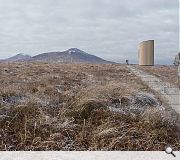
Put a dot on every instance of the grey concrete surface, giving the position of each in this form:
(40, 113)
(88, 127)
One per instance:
(167, 91)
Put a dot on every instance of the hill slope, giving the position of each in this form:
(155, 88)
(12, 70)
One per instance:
(72, 55)
(18, 57)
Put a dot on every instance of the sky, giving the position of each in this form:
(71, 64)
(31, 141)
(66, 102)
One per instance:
(110, 29)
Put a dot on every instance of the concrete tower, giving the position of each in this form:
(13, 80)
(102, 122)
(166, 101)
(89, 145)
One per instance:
(146, 53)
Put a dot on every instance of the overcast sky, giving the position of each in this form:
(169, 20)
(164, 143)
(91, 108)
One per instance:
(111, 29)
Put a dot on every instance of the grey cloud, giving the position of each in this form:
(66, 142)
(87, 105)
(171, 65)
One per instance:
(111, 29)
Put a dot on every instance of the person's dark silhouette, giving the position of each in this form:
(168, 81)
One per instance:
(127, 62)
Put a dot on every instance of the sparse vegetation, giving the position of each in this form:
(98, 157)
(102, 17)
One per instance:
(166, 73)
(47, 106)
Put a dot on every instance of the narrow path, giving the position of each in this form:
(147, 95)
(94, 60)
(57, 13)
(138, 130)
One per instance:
(168, 91)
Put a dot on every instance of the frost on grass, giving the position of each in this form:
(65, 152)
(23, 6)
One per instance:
(81, 107)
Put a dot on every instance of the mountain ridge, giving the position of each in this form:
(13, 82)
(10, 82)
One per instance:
(18, 57)
(72, 55)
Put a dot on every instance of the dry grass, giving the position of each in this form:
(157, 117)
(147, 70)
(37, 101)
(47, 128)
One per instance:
(166, 73)
(81, 107)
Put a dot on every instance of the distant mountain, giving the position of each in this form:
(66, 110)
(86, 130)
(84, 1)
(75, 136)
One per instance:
(18, 57)
(72, 55)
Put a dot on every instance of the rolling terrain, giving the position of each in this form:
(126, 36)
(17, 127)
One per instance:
(51, 106)
(72, 55)
(18, 57)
